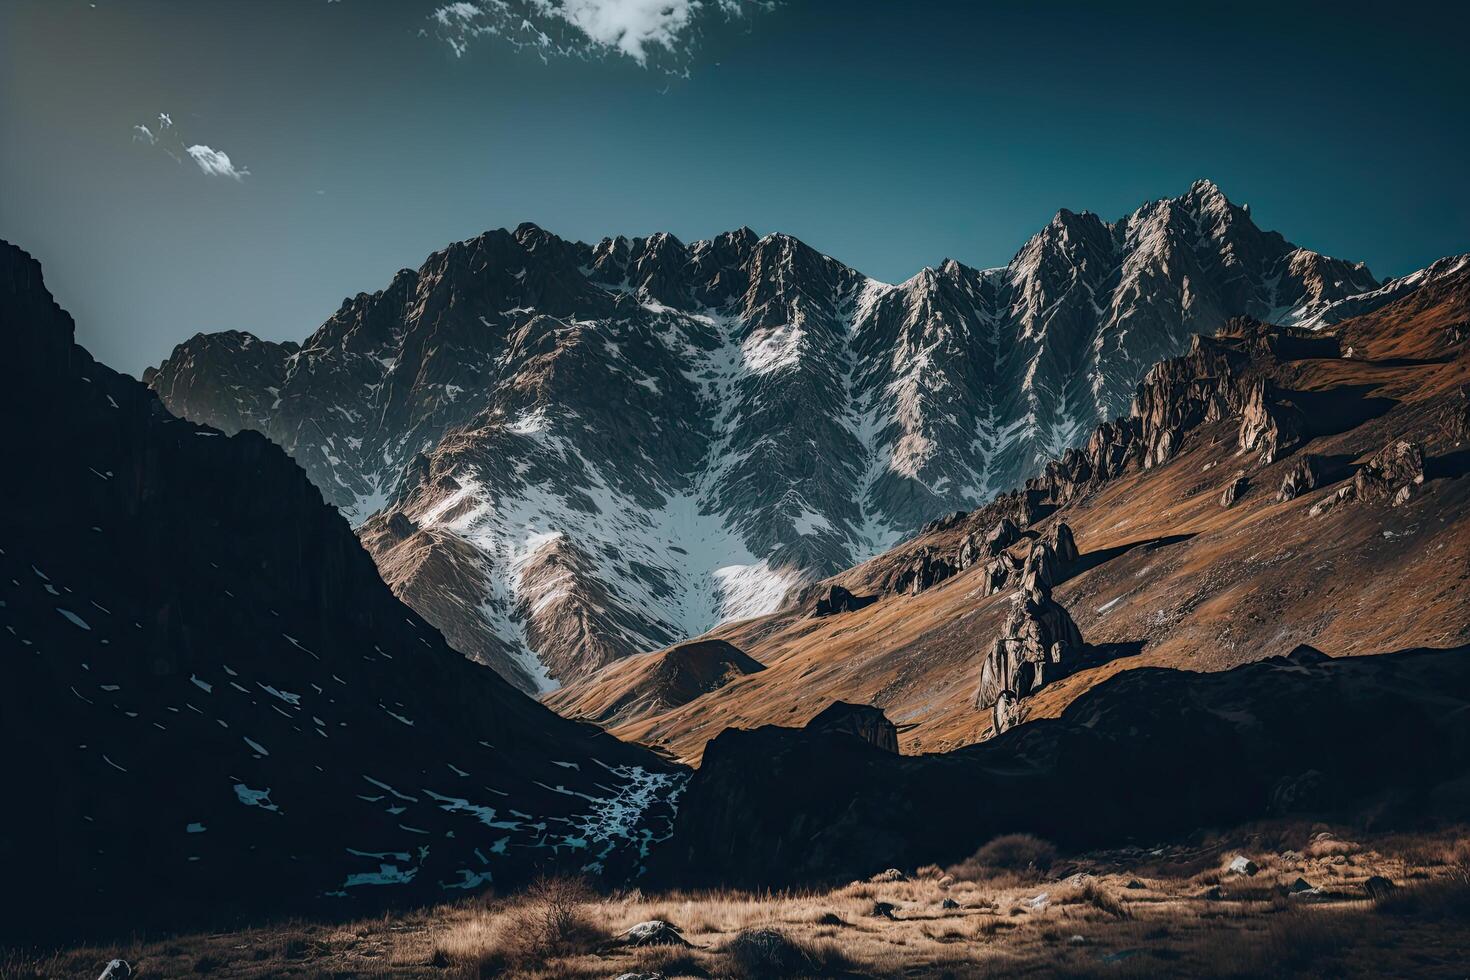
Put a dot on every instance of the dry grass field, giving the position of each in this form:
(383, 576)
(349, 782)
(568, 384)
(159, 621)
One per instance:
(1013, 910)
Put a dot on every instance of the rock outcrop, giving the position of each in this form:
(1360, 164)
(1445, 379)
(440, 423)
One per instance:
(1302, 477)
(1271, 425)
(1038, 644)
(862, 721)
(1234, 490)
(999, 573)
(924, 570)
(835, 599)
(1391, 474)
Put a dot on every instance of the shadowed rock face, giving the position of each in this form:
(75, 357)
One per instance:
(696, 430)
(1147, 754)
(862, 721)
(214, 702)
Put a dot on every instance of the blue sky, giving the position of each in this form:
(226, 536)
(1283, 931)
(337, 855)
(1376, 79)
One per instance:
(335, 142)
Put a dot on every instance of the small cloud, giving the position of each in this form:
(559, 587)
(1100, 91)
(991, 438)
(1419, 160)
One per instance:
(214, 162)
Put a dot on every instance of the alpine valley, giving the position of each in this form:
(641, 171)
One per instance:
(563, 454)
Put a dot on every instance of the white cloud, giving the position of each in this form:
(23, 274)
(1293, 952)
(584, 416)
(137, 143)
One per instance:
(662, 31)
(215, 163)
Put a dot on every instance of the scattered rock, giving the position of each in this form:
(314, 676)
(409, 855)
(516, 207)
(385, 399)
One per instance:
(1038, 902)
(882, 910)
(946, 881)
(1299, 886)
(1234, 490)
(1134, 884)
(116, 970)
(1300, 478)
(654, 932)
(639, 976)
(884, 877)
(1391, 473)
(831, 919)
(1339, 496)
(949, 903)
(1211, 894)
(1076, 940)
(1379, 888)
(1242, 865)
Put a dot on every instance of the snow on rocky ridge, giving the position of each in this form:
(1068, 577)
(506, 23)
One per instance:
(561, 454)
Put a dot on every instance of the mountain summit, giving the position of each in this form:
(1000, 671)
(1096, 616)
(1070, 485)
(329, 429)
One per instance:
(562, 453)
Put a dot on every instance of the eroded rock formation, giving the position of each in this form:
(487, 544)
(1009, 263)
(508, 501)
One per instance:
(1038, 643)
(1303, 476)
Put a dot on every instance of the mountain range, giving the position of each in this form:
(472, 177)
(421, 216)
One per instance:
(562, 454)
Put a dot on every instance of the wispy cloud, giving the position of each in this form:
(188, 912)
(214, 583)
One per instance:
(212, 162)
(661, 33)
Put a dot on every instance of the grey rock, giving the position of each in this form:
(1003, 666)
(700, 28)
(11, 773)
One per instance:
(654, 932)
(1242, 865)
(1378, 888)
(1233, 491)
(1300, 478)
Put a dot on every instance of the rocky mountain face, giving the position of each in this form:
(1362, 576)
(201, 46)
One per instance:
(213, 701)
(1149, 755)
(561, 453)
(1271, 486)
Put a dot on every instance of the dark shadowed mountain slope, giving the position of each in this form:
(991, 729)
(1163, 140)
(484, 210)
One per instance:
(212, 701)
(1271, 487)
(586, 451)
(1147, 755)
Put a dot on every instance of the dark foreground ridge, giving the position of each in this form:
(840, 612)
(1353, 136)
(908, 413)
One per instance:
(211, 701)
(1150, 754)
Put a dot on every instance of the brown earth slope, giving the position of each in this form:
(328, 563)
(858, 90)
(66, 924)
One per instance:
(1168, 574)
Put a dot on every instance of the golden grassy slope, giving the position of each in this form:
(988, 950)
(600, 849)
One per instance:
(1090, 923)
